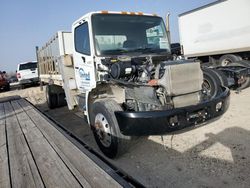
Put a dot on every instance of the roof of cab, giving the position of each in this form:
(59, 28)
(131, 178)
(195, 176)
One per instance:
(88, 15)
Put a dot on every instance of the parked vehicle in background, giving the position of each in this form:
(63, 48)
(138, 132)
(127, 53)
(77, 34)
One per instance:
(125, 81)
(27, 73)
(4, 83)
(218, 34)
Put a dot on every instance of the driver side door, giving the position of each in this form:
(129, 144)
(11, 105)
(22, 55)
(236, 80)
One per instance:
(83, 61)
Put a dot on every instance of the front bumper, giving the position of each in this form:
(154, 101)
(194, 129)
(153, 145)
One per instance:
(162, 122)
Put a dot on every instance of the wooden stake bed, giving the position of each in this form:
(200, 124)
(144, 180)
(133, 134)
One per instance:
(33, 153)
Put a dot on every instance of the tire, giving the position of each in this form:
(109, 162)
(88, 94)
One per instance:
(212, 83)
(61, 100)
(51, 98)
(222, 77)
(106, 130)
(246, 83)
(228, 59)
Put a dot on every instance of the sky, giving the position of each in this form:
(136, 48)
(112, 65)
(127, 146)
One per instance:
(25, 24)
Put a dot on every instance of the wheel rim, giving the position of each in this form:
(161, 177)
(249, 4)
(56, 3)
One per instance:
(226, 62)
(103, 130)
(206, 85)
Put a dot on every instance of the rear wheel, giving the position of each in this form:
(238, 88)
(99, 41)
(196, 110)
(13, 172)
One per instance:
(228, 59)
(61, 99)
(51, 98)
(106, 130)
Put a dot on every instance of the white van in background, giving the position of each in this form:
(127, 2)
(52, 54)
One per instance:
(27, 73)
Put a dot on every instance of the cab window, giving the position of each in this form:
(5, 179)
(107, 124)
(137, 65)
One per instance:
(82, 44)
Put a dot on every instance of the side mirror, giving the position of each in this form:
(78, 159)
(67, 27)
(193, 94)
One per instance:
(168, 26)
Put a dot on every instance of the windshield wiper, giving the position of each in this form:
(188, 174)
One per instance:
(150, 50)
(114, 51)
(141, 50)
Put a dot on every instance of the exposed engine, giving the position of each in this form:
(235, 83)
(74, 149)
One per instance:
(152, 83)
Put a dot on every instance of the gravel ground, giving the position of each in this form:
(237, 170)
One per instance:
(214, 155)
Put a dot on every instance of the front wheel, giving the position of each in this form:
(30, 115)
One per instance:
(106, 130)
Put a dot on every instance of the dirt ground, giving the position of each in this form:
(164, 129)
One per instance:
(214, 155)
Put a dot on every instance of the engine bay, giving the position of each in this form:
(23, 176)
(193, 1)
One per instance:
(154, 82)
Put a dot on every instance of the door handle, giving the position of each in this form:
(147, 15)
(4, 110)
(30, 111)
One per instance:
(83, 59)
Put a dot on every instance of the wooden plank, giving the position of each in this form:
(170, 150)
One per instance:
(9, 98)
(22, 166)
(73, 170)
(2, 126)
(4, 167)
(53, 170)
(96, 176)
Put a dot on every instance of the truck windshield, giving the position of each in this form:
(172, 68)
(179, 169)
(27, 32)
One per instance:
(116, 34)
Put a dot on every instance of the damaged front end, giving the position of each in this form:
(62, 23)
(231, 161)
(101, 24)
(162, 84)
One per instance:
(163, 96)
(164, 121)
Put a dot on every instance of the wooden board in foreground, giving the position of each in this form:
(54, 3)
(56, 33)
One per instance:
(34, 153)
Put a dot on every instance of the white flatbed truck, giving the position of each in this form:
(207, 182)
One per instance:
(117, 67)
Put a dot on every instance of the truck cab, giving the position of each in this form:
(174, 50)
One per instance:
(118, 68)
(102, 35)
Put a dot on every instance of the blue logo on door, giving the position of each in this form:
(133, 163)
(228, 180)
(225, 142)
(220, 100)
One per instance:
(84, 75)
